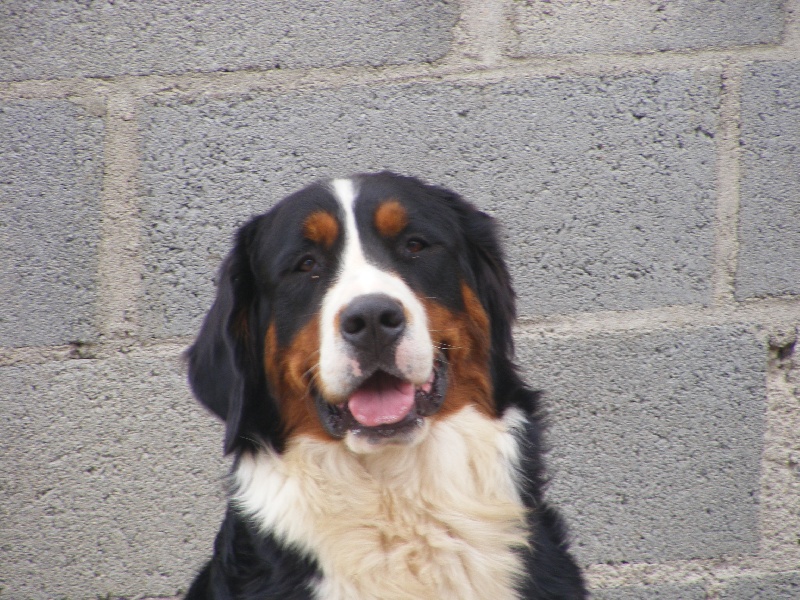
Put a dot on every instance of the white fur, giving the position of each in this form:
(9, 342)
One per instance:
(438, 520)
(358, 276)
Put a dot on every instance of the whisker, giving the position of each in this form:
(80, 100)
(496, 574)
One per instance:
(312, 372)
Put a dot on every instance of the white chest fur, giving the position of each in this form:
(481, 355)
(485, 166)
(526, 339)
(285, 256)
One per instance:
(439, 520)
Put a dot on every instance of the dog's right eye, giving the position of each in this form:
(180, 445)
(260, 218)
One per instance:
(306, 264)
(415, 245)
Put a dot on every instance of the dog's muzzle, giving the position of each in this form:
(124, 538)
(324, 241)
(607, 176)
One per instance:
(382, 402)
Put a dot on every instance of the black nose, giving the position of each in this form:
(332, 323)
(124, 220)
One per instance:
(372, 322)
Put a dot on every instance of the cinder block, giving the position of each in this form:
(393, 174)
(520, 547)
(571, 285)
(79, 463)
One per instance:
(769, 215)
(46, 40)
(51, 168)
(111, 479)
(656, 440)
(566, 26)
(781, 586)
(652, 592)
(604, 186)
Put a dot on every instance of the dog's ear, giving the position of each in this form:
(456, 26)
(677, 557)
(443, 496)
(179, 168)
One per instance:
(492, 280)
(483, 263)
(225, 367)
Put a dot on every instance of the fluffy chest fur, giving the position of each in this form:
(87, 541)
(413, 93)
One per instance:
(442, 519)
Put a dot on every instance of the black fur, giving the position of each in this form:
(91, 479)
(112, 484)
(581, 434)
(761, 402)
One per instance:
(226, 372)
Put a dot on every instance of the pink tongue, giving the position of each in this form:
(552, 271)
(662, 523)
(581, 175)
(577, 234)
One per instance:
(382, 400)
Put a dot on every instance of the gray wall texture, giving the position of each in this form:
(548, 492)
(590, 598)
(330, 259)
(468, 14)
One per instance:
(643, 157)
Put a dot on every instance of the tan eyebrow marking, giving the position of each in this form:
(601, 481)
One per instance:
(322, 228)
(390, 218)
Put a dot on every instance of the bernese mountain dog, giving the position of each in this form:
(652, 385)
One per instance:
(384, 446)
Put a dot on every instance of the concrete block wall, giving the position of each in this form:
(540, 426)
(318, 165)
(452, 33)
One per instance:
(643, 157)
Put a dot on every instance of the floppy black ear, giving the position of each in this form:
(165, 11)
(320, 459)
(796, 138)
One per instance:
(225, 371)
(484, 261)
(493, 286)
(492, 280)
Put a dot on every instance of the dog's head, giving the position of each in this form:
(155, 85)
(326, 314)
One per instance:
(359, 310)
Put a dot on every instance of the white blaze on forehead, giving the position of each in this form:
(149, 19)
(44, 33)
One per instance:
(358, 276)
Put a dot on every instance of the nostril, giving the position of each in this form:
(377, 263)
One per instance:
(353, 324)
(392, 319)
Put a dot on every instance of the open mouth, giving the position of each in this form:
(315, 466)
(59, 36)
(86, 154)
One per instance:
(384, 406)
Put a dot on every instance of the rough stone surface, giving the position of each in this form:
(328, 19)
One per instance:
(45, 40)
(565, 26)
(51, 168)
(651, 592)
(783, 586)
(605, 186)
(111, 479)
(769, 216)
(656, 440)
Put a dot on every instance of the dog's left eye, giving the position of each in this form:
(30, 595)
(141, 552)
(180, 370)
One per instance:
(415, 245)
(306, 264)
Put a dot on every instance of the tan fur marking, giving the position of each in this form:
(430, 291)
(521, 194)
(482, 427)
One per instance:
(321, 227)
(465, 339)
(390, 218)
(290, 372)
(241, 327)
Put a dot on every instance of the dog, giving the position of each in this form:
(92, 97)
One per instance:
(359, 351)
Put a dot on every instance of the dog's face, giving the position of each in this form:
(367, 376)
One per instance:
(359, 310)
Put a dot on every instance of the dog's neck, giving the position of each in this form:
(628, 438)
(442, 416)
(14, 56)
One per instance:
(442, 519)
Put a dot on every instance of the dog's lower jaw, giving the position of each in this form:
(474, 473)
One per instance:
(359, 443)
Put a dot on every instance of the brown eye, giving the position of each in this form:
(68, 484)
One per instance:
(306, 264)
(415, 245)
